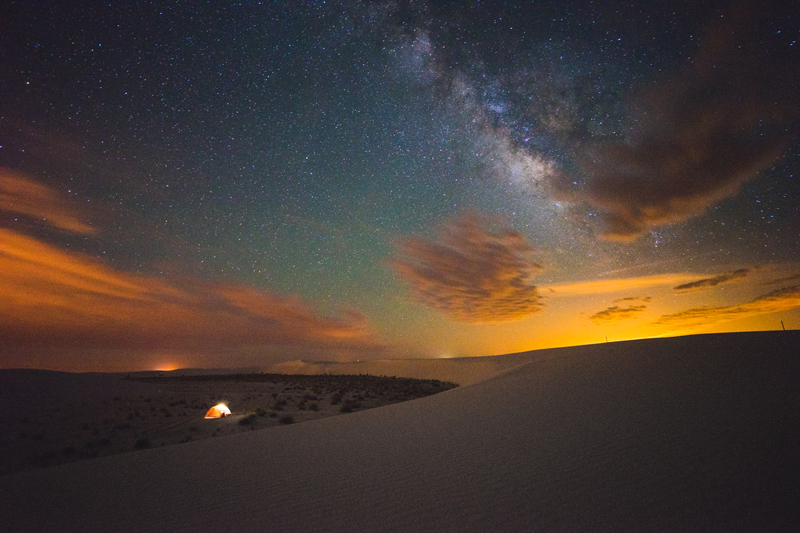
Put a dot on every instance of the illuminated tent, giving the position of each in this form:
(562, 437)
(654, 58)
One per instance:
(218, 411)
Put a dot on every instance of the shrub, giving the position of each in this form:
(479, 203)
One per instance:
(142, 443)
(260, 411)
(314, 407)
(246, 421)
(286, 419)
(69, 450)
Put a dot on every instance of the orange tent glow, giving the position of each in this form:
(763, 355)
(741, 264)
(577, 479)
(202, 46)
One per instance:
(218, 411)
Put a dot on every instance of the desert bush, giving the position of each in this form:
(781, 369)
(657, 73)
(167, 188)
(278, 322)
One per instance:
(286, 419)
(69, 450)
(142, 443)
(260, 411)
(349, 405)
(314, 407)
(246, 421)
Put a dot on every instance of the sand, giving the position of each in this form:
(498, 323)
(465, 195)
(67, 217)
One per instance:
(684, 434)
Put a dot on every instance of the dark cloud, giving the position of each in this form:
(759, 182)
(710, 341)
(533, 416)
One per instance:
(716, 280)
(646, 299)
(615, 313)
(471, 274)
(697, 137)
(772, 302)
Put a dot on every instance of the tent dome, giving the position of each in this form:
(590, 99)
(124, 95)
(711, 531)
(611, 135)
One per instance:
(218, 411)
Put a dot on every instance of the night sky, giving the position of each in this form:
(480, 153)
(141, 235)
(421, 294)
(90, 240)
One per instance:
(234, 184)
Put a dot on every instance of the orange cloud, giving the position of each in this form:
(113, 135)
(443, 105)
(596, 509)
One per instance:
(616, 285)
(772, 302)
(782, 280)
(22, 196)
(615, 313)
(716, 280)
(471, 274)
(56, 298)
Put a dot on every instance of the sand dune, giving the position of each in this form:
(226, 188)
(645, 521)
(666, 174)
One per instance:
(683, 434)
(461, 370)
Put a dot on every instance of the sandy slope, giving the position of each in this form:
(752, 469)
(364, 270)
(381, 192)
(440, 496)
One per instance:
(461, 370)
(684, 434)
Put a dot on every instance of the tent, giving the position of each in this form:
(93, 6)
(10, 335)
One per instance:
(218, 411)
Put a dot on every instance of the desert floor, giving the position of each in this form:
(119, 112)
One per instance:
(55, 418)
(695, 433)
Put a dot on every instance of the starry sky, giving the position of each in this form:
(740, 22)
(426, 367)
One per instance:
(243, 183)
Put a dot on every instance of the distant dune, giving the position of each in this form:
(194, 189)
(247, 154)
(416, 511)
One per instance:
(462, 370)
(693, 433)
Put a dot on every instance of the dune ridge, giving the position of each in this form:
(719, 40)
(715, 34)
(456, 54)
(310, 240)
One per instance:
(689, 433)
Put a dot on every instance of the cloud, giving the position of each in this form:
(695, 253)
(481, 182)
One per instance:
(782, 280)
(471, 274)
(772, 302)
(616, 313)
(713, 282)
(55, 298)
(646, 299)
(616, 284)
(695, 138)
(23, 196)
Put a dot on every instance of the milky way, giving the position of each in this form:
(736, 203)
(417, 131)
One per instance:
(248, 168)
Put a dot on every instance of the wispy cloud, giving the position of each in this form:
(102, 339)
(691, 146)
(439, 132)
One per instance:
(51, 297)
(23, 196)
(616, 285)
(646, 299)
(616, 313)
(772, 302)
(55, 297)
(713, 282)
(784, 279)
(471, 274)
